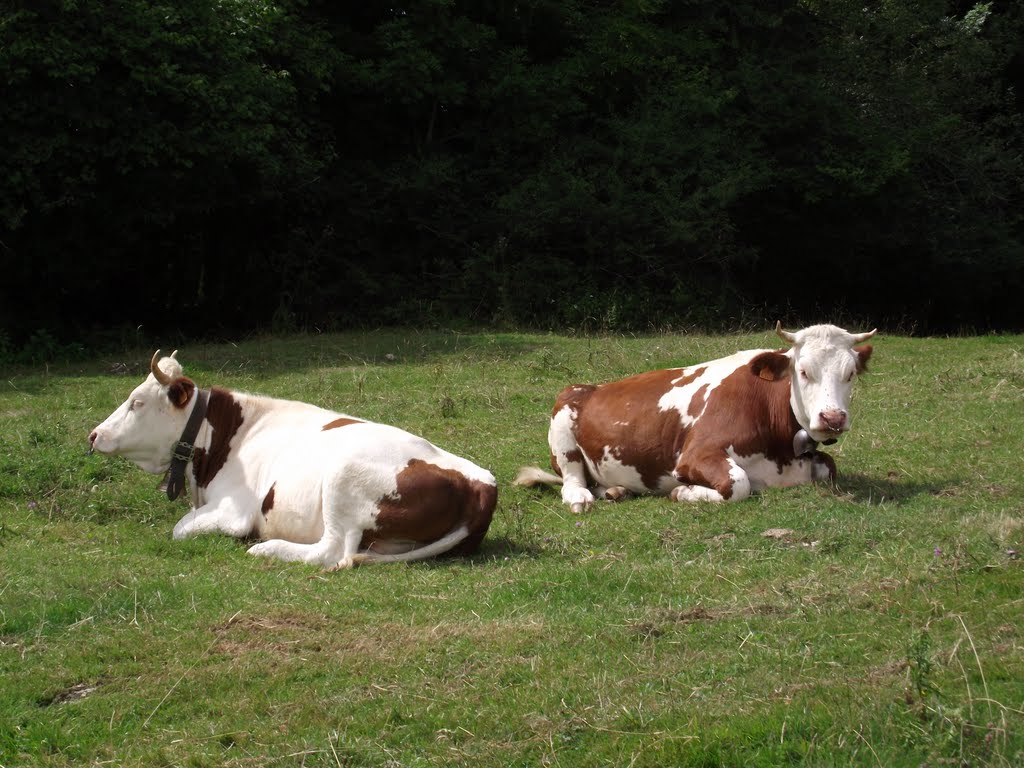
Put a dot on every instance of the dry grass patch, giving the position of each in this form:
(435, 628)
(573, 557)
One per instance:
(295, 635)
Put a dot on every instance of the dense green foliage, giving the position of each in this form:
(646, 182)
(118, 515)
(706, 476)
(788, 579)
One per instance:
(196, 165)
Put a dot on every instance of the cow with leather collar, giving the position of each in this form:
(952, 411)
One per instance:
(317, 486)
(714, 431)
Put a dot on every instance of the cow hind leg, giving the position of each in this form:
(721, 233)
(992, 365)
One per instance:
(567, 460)
(335, 549)
(324, 553)
(436, 511)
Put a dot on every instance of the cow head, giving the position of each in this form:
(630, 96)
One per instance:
(150, 421)
(823, 364)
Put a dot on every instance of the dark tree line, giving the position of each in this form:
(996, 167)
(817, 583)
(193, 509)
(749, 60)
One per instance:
(205, 166)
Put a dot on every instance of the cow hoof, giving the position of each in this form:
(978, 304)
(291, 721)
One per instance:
(259, 550)
(579, 499)
(345, 564)
(617, 493)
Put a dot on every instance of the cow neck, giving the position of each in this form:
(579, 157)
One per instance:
(181, 453)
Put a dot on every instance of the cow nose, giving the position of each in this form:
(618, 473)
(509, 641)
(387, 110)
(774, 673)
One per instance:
(92, 439)
(834, 419)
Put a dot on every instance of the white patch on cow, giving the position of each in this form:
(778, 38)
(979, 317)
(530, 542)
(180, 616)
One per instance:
(716, 371)
(561, 437)
(820, 472)
(694, 493)
(763, 473)
(610, 472)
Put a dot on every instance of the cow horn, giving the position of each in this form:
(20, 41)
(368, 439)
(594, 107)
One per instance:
(159, 375)
(785, 335)
(857, 338)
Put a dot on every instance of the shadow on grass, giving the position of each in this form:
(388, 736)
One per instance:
(503, 546)
(491, 548)
(873, 490)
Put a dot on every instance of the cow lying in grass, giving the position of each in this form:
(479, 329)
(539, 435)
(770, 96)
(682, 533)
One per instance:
(714, 431)
(317, 486)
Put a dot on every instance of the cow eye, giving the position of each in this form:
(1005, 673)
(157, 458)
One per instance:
(136, 404)
(803, 375)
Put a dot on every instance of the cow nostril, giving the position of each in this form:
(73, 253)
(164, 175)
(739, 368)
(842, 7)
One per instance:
(834, 419)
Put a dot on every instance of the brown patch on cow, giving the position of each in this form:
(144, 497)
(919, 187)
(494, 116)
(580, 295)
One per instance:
(224, 414)
(430, 502)
(863, 355)
(179, 392)
(574, 456)
(624, 415)
(342, 422)
(268, 501)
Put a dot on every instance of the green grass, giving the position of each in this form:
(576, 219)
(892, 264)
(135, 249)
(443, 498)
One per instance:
(885, 630)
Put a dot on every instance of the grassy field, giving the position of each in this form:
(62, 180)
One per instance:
(884, 629)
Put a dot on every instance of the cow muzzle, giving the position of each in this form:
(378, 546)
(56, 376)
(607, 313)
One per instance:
(99, 442)
(834, 420)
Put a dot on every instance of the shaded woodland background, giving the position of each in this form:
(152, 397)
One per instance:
(213, 166)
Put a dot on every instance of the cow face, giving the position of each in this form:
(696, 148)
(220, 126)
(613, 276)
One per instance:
(824, 363)
(150, 421)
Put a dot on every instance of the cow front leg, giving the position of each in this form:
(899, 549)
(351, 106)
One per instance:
(712, 478)
(224, 517)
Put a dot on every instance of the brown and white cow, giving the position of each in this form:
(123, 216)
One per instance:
(715, 431)
(317, 486)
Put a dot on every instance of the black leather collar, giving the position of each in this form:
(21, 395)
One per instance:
(181, 453)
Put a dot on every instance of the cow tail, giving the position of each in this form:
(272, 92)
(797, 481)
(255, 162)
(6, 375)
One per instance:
(534, 476)
(433, 549)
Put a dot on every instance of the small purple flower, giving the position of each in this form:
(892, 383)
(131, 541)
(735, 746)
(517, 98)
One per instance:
(32, 505)
(579, 523)
(938, 552)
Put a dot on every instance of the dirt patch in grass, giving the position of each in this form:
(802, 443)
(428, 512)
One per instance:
(76, 692)
(289, 635)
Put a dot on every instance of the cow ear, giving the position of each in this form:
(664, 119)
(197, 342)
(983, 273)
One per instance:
(863, 355)
(770, 366)
(179, 392)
